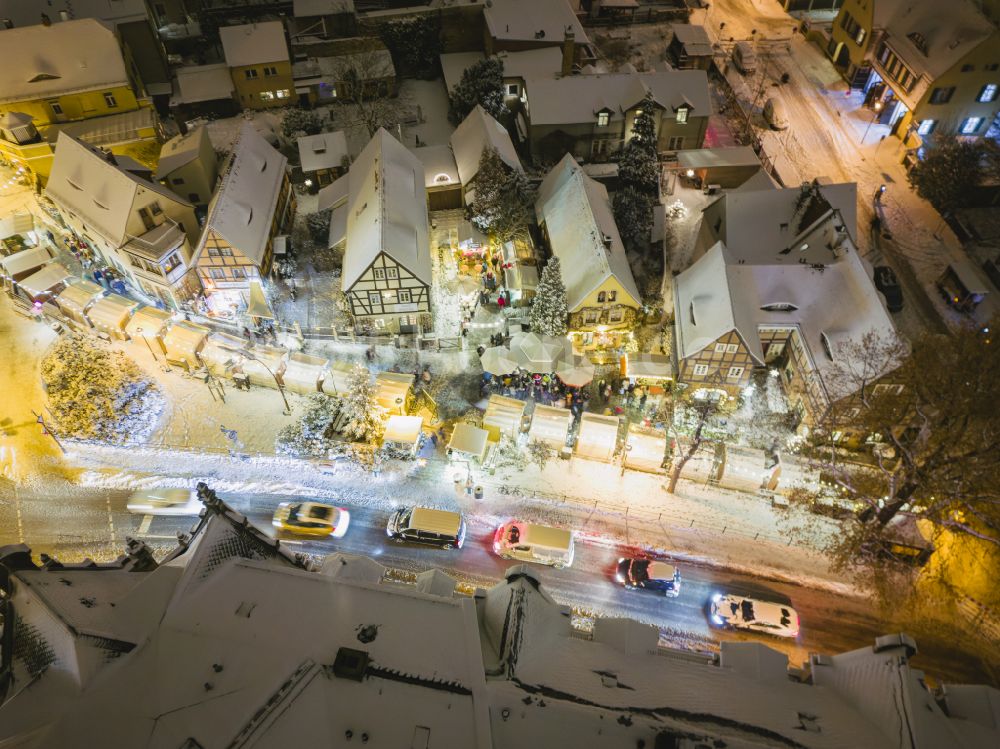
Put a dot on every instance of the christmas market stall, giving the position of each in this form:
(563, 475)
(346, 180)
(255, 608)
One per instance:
(503, 416)
(402, 435)
(337, 377)
(598, 437)
(304, 373)
(184, 342)
(221, 353)
(550, 425)
(468, 441)
(264, 365)
(111, 313)
(149, 323)
(393, 391)
(644, 450)
(74, 300)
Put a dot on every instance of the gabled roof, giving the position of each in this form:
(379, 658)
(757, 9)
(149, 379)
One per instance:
(531, 20)
(199, 83)
(322, 151)
(181, 150)
(440, 169)
(582, 233)
(243, 206)
(477, 132)
(253, 43)
(45, 61)
(97, 190)
(578, 98)
(387, 210)
(693, 38)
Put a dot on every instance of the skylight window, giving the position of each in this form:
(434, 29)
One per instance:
(779, 307)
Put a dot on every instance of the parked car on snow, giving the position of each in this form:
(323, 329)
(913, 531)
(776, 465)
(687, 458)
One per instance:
(888, 284)
(173, 502)
(736, 611)
(649, 574)
(311, 519)
(534, 543)
(424, 525)
(744, 57)
(774, 113)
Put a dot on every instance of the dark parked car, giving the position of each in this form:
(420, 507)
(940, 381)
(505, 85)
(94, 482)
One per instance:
(649, 574)
(888, 284)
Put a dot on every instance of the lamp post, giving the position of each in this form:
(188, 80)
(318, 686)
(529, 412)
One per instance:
(878, 109)
(247, 355)
(146, 341)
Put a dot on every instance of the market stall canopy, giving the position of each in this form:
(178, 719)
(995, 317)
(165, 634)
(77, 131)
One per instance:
(469, 440)
(77, 296)
(265, 361)
(16, 223)
(110, 314)
(646, 451)
(403, 432)
(150, 320)
(184, 341)
(550, 425)
(647, 366)
(222, 349)
(521, 278)
(392, 389)
(45, 280)
(304, 373)
(25, 261)
(498, 360)
(338, 379)
(257, 306)
(537, 353)
(503, 416)
(575, 370)
(598, 437)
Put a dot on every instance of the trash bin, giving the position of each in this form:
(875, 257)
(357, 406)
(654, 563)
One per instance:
(479, 492)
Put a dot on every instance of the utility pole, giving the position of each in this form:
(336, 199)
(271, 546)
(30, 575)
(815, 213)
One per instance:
(47, 429)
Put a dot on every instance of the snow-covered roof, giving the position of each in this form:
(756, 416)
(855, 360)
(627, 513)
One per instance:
(25, 260)
(45, 279)
(181, 150)
(387, 210)
(371, 63)
(708, 158)
(578, 98)
(322, 151)
(929, 40)
(582, 232)
(100, 192)
(253, 43)
(198, 83)
(41, 61)
(694, 38)
(531, 20)
(243, 206)
(454, 64)
(477, 132)
(531, 63)
(116, 11)
(309, 8)
(439, 165)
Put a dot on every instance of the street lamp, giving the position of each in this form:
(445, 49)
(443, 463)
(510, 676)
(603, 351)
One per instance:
(146, 340)
(247, 355)
(878, 109)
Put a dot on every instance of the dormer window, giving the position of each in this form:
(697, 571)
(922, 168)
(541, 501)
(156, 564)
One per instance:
(918, 41)
(682, 115)
(602, 119)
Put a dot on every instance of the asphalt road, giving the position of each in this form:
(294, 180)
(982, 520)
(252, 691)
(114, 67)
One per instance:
(96, 522)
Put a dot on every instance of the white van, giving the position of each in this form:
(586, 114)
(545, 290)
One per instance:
(744, 57)
(534, 543)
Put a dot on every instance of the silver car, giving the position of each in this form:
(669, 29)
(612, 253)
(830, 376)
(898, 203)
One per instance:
(175, 502)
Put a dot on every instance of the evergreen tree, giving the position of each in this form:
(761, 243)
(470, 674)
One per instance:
(312, 435)
(952, 170)
(549, 309)
(482, 83)
(298, 121)
(633, 211)
(505, 199)
(638, 180)
(364, 414)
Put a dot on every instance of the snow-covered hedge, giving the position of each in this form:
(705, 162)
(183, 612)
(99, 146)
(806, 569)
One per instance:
(95, 393)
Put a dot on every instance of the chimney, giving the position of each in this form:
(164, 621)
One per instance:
(46, 21)
(569, 51)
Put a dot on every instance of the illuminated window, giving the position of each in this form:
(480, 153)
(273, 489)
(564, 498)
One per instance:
(283, 93)
(267, 95)
(109, 100)
(682, 115)
(989, 93)
(971, 125)
(926, 127)
(602, 119)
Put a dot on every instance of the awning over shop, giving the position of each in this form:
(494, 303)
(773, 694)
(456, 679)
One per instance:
(184, 341)
(503, 416)
(264, 358)
(45, 280)
(148, 322)
(258, 306)
(77, 296)
(403, 431)
(392, 390)
(550, 425)
(647, 366)
(468, 440)
(598, 437)
(110, 314)
(304, 373)
(221, 349)
(25, 261)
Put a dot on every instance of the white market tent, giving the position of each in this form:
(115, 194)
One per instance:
(110, 314)
(598, 437)
(392, 390)
(403, 433)
(220, 349)
(503, 416)
(469, 441)
(78, 295)
(537, 353)
(304, 373)
(337, 381)
(24, 262)
(550, 425)
(184, 341)
(646, 451)
(49, 278)
(267, 358)
(150, 323)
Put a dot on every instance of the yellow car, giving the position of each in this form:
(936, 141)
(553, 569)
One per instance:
(311, 519)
